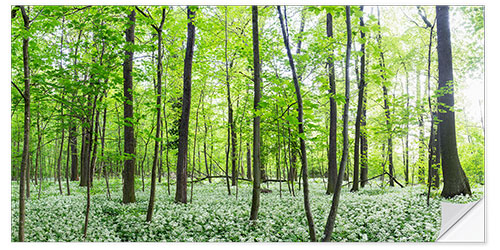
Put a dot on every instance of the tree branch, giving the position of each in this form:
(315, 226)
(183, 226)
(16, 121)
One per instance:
(20, 92)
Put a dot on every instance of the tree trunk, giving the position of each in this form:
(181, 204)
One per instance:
(332, 136)
(194, 147)
(68, 156)
(310, 222)
(205, 148)
(230, 119)
(407, 117)
(359, 114)
(60, 158)
(74, 154)
(38, 154)
(364, 145)
(455, 180)
(345, 150)
(249, 162)
(386, 104)
(128, 115)
(181, 184)
(159, 72)
(27, 115)
(256, 120)
(421, 144)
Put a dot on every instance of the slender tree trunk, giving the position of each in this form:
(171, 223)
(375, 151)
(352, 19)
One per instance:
(167, 162)
(68, 156)
(332, 136)
(407, 117)
(455, 180)
(59, 159)
(38, 153)
(330, 222)
(205, 148)
(231, 129)
(181, 184)
(74, 154)
(103, 136)
(256, 120)
(310, 222)
(27, 116)
(278, 159)
(359, 114)
(364, 145)
(128, 115)
(249, 162)
(94, 142)
(194, 146)
(159, 72)
(421, 144)
(386, 105)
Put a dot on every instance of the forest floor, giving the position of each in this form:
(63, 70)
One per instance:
(372, 214)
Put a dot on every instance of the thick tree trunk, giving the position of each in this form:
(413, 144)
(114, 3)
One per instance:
(128, 115)
(300, 109)
(332, 136)
(27, 116)
(181, 184)
(455, 180)
(256, 120)
(330, 222)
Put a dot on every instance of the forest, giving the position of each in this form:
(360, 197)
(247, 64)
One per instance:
(243, 123)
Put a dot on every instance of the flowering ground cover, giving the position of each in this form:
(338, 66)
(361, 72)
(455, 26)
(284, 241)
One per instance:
(372, 214)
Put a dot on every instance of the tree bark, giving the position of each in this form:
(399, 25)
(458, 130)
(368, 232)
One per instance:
(300, 109)
(364, 145)
(128, 115)
(345, 150)
(181, 184)
(359, 114)
(159, 72)
(256, 120)
(455, 180)
(60, 158)
(27, 116)
(332, 136)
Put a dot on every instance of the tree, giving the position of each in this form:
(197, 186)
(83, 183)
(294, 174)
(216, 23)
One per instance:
(359, 114)
(128, 114)
(181, 190)
(455, 180)
(300, 118)
(256, 119)
(387, 110)
(332, 136)
(27, 118)
(345, 143)
(159, 71)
